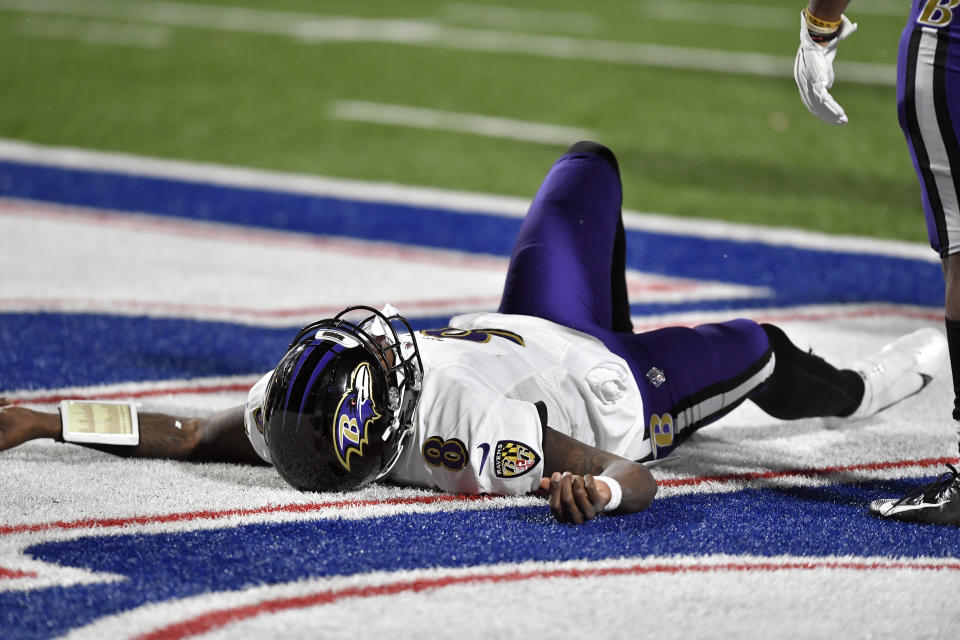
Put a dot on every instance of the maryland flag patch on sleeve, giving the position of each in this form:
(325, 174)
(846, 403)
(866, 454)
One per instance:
(512, 459)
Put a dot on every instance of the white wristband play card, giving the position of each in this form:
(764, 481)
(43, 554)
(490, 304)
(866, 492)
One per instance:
(100, 422)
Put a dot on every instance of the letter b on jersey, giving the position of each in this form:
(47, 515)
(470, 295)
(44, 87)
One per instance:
(661, 432)
(937, 13)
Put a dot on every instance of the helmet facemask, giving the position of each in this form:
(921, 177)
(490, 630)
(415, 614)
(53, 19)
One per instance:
(392, 339)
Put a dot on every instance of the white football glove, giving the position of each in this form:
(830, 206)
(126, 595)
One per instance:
(813, 71)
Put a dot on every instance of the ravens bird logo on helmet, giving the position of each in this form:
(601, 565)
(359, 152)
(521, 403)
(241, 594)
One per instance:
(354, 415)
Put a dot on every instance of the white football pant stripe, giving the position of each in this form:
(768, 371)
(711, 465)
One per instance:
(932, 139)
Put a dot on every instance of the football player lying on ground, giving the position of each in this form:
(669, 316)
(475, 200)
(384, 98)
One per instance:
(554, 392)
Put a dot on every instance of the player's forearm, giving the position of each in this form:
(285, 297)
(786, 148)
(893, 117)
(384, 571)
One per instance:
(561, 453)
(829, 10)
(35, 424)
(216, 438)
(224, 439)
(637, 483)
(161, 436)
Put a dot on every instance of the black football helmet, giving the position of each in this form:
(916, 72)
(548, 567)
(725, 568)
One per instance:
(341, 403)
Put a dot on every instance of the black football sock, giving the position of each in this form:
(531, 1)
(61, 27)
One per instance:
(804, 385)
(953, 345)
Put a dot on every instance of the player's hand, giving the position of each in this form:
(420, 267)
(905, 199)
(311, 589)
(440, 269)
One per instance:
(17, 425)
(575, 499)
(813, 71)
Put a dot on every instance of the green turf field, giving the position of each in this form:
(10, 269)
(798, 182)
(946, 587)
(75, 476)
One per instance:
(257, 89)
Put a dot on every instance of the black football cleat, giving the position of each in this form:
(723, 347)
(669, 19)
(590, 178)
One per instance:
(935, 503)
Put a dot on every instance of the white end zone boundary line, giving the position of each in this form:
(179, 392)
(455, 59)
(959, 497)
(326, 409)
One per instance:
(454, 201)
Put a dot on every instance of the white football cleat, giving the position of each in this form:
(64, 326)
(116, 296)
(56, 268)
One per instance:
(899, 370)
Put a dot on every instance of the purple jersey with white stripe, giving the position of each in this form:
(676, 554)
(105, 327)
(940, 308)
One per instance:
(928, 105)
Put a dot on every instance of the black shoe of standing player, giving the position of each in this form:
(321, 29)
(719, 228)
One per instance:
(935, 503)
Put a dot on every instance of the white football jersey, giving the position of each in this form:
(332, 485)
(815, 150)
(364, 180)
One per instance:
(478, 428)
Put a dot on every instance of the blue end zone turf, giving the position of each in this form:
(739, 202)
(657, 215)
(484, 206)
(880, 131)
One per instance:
(805, 522)
(55, 350)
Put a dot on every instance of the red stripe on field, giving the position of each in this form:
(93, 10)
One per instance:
(223, 231)
(216, 515)
(812, 472)
(808, 316)
(190, 310)
(81, 305)
(220, 231)
(436, 304)
(10, 574)
(220, 618)
(142, 393)
(438, 498)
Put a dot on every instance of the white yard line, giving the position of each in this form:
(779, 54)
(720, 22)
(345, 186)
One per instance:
(736, 15)
(513, 18)
(359, 190)
(314, 28)
(754, 15)
(97, 32)
(472, 123)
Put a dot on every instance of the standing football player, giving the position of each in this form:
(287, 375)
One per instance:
(554, 392)
(928, 105)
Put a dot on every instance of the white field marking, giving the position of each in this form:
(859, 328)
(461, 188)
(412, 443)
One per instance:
(782, 236)
(240, 274)
(239, 177)
(234, 273)
(37, 574)
(261, 610)
(513, 18)
(312, 28)
(752, 15)
(810, 313)
(472, 123)
(97, 32)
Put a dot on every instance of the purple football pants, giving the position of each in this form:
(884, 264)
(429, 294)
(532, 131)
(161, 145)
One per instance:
(928, 106)
(564, 269)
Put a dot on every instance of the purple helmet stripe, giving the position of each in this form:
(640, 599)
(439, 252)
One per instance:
(307, 358)
(335, 350)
